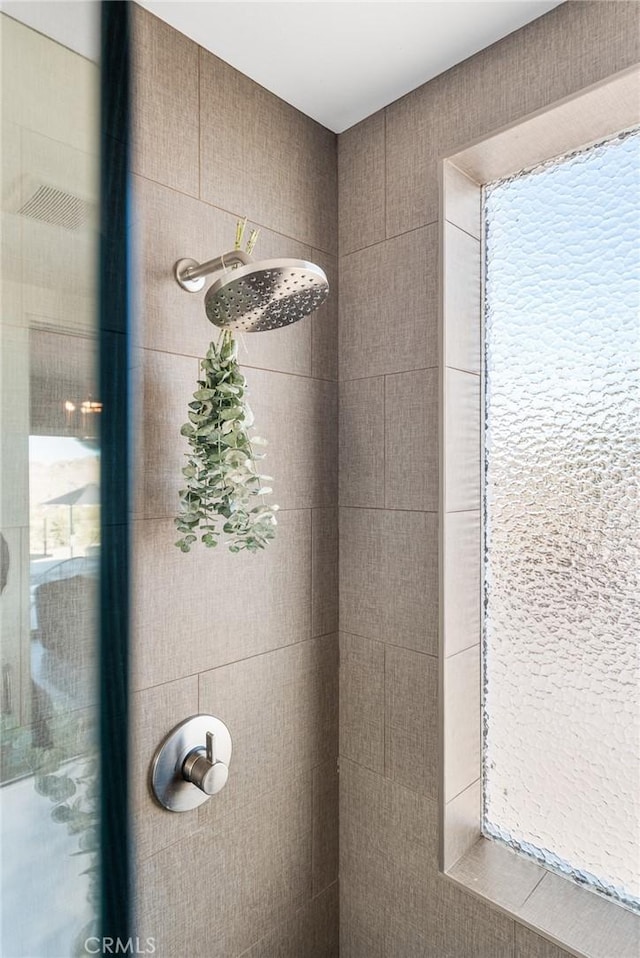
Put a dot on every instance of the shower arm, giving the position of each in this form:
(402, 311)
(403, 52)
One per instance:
(190, 274)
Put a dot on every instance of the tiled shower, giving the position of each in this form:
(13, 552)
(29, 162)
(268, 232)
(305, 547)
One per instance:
(320, 654)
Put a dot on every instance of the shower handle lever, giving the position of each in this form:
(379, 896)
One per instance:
(201, 768)
(190, 274)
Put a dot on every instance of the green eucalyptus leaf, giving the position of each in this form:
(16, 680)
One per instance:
(222, 480)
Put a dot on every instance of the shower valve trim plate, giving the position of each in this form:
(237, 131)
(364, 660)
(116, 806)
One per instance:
(192, 763)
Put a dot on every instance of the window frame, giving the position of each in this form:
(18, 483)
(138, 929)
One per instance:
(573, 917)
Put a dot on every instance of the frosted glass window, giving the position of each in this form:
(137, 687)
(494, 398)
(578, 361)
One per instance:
(561, 712)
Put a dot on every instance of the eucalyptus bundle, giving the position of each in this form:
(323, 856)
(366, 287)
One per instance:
(225, 492)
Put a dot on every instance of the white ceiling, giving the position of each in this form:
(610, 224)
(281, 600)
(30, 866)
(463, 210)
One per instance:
(337, 62)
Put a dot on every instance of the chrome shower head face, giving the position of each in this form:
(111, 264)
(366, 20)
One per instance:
(266, 295)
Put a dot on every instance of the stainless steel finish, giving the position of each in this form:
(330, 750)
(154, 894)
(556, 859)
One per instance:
(191, 763)
(266, 295)
(181, 273)
(202, 768)
(190, 274)
(255, 297)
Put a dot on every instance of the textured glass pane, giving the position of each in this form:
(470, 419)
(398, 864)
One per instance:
(561, 699)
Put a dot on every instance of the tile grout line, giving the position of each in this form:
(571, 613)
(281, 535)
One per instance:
(244, 365)
(426, 512)
(388, 239)
(384, 440)
(384, 145)
(311, 577)
(224, 665)
(313, 828)
(384, 711)
(222, 209)
(389, 778)
(462, 230)
(391, 645)
(399, 372)
(537, 884)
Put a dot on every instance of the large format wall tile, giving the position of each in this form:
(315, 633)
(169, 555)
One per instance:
(196, 611)
(297, 416)
(362, 701)
(470, 929)
(530, 945)
(570, 48)
(224, 889)
(413, 127)
(324, 322)
(384, 816)
(401, 938)
(325, 825)
(154, 713)
(165, 93)
(312, 932)
(361, 184)
(388, 850)
(167, 383)
(173, 226)
(389, 576)
(264, 159)
(281, 709)
(363, 865)
(411, 719)
(324, 573)
(253, 872)
(411, 441)
(361, 440)
(362, 917)
(386, 910)
(388, 306)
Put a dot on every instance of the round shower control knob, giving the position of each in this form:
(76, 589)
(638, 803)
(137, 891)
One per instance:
(191, 763)
(201, 768)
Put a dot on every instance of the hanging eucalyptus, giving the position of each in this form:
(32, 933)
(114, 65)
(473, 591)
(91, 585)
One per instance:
(222, 476)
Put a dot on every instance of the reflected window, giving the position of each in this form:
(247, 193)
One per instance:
(49, 492)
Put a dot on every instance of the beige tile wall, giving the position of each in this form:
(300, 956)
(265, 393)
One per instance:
(394, 904)
(251, 639)
(253, 874)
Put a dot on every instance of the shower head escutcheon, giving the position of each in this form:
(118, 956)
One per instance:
(255, 297)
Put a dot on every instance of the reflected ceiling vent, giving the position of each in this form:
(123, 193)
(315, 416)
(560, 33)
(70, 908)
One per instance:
(50, 205)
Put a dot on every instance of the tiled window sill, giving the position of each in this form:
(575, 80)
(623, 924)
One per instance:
(572, 917)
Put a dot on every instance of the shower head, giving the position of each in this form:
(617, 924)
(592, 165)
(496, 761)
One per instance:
(256, 297)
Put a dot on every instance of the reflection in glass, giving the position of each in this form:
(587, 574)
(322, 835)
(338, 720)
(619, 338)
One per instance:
(561, 564)
(49, 497)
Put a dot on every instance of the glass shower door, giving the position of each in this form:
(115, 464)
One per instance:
(49, 492)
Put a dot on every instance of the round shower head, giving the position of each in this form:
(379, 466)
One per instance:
(266, 295)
